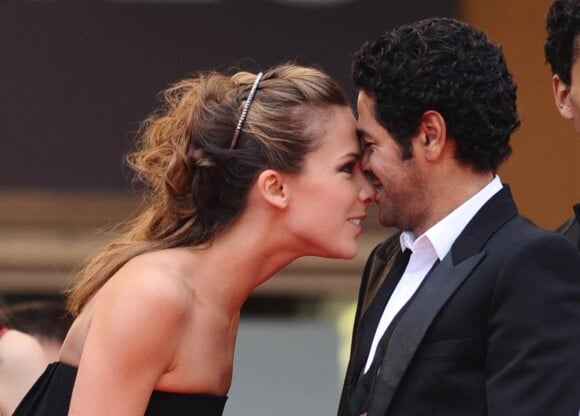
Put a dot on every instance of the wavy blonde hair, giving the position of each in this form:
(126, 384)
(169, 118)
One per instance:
(196, 184)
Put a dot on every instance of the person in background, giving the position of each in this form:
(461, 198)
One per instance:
(22, 360)
(47, 321)
(245, 173)
(562, 49)
(470, 309)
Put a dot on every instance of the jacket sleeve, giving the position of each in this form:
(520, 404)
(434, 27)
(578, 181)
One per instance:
(533, 350)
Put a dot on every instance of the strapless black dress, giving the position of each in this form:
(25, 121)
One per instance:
(51, 394)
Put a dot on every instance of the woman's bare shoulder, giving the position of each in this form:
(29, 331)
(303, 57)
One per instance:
(156, 281)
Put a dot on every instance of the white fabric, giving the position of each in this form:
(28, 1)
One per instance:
(434, 244)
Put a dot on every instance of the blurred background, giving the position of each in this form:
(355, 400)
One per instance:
(76, 78)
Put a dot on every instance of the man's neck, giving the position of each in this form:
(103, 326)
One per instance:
(451, 193)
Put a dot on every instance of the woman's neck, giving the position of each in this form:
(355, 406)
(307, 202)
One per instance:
(240, 259)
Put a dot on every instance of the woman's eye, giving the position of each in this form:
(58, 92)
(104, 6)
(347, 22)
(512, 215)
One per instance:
(348, 167)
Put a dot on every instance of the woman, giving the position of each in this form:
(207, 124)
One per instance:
(22, 360)
(246, 174)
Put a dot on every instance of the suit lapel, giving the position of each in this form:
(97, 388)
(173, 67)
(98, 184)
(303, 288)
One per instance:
(439, 285)
(498, 210)
(405, 338)
(390, 276)
(377, 268)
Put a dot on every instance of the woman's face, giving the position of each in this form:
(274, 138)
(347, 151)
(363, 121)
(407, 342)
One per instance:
(329, 198)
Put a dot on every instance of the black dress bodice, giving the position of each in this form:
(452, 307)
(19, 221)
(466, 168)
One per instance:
(51, 395)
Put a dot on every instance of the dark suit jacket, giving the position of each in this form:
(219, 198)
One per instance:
(493, 330)
(571, 228)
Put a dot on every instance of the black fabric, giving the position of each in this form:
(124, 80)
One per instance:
(364, 330)
(362, 389)
(492, 332)
(408, 330)
(571, 228)
(375, 310)
(51, 394)
(415, 315)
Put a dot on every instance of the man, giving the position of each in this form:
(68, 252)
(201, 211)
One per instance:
(480, 314)
(22, 361)
(47, 321)
(562, 49)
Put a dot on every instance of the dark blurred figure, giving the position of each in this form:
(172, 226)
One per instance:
(562, 50)
(47, 321)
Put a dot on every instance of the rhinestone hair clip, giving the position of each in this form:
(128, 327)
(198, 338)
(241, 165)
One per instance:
(245, 110)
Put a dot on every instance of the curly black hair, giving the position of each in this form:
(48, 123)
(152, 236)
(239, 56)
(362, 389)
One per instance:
(563, 25)
(448, 66)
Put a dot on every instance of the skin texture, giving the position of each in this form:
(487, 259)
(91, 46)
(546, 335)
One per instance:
(567, 97)
(168, 319)
(22, 360)
(400, 205)
(562, 24)
(415, 193)
(328, 193)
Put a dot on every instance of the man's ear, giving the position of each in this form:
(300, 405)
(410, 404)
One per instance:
(432, 134)
(272, 188)
(562, 97)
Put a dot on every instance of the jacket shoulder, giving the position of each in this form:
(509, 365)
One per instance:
(571, 228)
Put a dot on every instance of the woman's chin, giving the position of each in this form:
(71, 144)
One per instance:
(344, 254)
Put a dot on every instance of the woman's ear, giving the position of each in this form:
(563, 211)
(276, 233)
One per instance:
(561, 97)
(272, 187)
(432, 135)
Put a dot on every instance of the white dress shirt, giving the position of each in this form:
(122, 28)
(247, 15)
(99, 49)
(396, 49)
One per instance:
(426, 249)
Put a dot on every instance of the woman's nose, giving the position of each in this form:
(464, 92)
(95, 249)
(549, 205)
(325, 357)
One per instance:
(367, 190)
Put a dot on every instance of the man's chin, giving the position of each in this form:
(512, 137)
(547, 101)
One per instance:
(384, 220)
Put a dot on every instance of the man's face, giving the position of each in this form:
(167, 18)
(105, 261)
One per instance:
(399, 184)
(568, 96)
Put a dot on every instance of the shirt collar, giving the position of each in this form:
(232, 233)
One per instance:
(443, 234)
